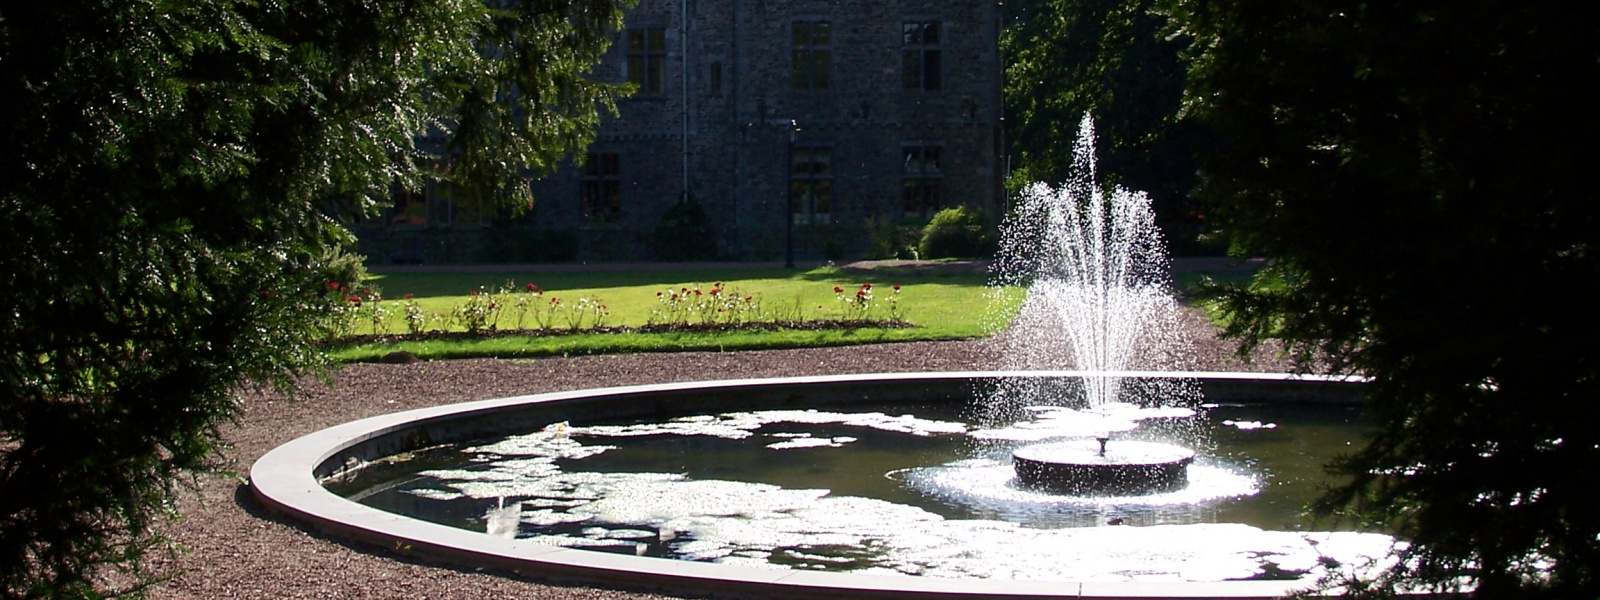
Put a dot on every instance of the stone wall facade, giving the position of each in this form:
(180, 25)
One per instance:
(843, 107)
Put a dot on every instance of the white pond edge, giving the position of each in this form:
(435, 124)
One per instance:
(284, 480)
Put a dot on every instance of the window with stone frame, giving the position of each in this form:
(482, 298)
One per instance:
(921, 180)
(436, 205)
(811, 42)
(469, 211)
(410, 209)
(441, 205)
(921, 55)
(647, 56)
(811, 185)
(601, 188)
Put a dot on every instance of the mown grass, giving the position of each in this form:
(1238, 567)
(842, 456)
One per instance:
(941, 306)
(1199, 289)
(1187, 284)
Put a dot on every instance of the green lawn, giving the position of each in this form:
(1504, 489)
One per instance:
(941, 306)
(1188, 283)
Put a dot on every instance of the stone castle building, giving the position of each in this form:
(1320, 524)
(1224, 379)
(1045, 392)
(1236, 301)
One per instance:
(790, 123)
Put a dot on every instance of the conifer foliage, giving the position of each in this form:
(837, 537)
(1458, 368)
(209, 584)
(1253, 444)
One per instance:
(173, 176)
(1422, 174)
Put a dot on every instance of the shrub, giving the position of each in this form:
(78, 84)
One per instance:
(954, 233)
(885, 239)
(513, 243)
(682, 234)
(833, 240)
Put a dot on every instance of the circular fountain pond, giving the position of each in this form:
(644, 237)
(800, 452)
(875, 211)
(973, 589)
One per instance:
(837, 485)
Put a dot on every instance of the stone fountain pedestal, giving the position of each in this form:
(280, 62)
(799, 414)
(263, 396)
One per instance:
(1118, 468)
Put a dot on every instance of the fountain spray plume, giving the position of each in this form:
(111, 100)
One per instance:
(1098, 284)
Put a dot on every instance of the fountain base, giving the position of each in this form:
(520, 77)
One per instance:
(1124, 468)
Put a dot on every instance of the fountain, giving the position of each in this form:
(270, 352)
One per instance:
(1088, 469)
(590, 485)
(1094, 262)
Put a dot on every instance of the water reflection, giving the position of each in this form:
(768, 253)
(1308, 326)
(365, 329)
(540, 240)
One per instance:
(889, 492)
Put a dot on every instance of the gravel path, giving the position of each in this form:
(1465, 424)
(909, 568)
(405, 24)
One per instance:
(232, 548)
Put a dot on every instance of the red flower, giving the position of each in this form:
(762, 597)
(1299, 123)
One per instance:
(897, 287)
(658, 294)
(333, 285)
(409, 296)
(697, 291)
(866, 286)
(838, 290)
(356, 300)
(715, 291)
(749, 298)
(473, 293)
(532, 288)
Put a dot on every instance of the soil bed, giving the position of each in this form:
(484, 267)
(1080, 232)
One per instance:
(806, 325)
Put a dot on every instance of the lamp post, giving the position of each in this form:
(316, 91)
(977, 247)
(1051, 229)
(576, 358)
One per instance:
(788, 209)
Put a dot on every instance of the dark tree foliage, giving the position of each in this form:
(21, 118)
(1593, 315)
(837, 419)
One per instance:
(683, 234)
(1422, 174)
(172, 176)
(1114, 59)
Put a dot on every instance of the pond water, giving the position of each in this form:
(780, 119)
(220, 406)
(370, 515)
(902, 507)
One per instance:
(894, 489)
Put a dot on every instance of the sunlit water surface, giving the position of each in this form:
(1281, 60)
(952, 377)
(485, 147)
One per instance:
(904, 490)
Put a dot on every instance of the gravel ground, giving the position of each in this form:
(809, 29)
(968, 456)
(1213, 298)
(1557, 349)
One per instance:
(233, 548)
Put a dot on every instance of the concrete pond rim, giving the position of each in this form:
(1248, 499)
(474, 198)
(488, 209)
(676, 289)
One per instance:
(289, 479)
